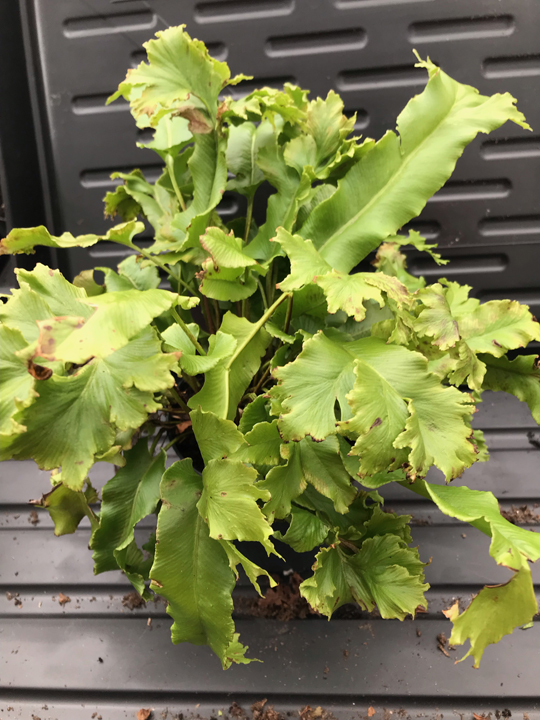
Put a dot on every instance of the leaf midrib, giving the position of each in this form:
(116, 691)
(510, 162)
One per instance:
(393, 180)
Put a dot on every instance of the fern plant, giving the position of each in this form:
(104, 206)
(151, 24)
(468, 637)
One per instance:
(302, 384)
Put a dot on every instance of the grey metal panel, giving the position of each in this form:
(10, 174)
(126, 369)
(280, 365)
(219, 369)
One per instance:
(386, 660)
(361, 48)
(36, 557)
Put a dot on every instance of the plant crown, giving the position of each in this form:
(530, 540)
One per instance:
(306, 383)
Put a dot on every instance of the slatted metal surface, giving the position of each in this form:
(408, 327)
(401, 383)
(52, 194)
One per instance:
(93, 657)
(487, 219)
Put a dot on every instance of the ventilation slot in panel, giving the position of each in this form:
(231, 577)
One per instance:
(519, 66)
(362, 118)
(247, 86)
(352, 4)
(113, 251)
(102, 177)
(430, 229)
(470, 265)
(524, 225)
(465, 29)
(381, 78)
(525, 297)
(91, 104)
(229, 206)
(217, 50)
(457, 191)
(109, 24)
(511, 148)
(315, 43)
(230, 10)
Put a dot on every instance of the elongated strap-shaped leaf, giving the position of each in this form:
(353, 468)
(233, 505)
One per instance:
(224, 386)
(292, 191)
(229, 503)
(191, 570)
(127, 498)
(67, 507)
(243, 146)
(384, 572)
(393, 404)
(391, 184)
(495, 611)
(106, 395)
(117, 318)
(208, 167)
(519, 377)
(24, 240)
(511, 546)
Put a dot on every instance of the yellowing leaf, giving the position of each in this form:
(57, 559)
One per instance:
(519, 377)
(384, 572)
(117, 318)
(216, 438)
(495, 612)
(434, 423)
(68, 507)
(178, 68)
(24, 240)
(16, 383)
(106, 395)
(436, 319)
